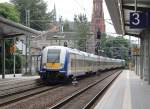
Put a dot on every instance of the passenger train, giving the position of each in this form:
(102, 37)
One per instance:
(59, 63)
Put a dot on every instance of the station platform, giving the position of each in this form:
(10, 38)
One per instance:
(18, 77)
(127, 92)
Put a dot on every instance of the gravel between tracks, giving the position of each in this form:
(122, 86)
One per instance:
(83, 98)
(42, 101)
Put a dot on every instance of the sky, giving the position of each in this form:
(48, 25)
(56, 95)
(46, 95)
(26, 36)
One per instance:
(68, 8)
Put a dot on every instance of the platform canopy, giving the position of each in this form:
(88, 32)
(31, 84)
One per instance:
(120, 14)
(11, 29)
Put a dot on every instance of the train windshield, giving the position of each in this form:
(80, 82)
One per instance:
(53, 56)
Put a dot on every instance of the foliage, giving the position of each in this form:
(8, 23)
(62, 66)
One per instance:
(82, 29)
(9, 11)
(10, 63)
(66, 26)
(9, 60)
(115, 47)
(39, 18)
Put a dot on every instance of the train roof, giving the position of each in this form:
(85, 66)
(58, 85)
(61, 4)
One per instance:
(92, 56)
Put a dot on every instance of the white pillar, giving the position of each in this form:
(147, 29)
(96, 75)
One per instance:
(3, 58)
(141, 57)
(145, 63)
(138, 63)
(146, 56)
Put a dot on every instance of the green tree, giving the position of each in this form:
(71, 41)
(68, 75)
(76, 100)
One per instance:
(10, 58)
(82, 29)
(66, 26)
(9, 11)
(39, 17)
(115, 47)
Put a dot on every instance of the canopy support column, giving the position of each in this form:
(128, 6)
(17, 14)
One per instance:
(3, 59)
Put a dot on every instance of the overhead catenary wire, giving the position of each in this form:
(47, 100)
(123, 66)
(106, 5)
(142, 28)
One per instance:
(80, 6)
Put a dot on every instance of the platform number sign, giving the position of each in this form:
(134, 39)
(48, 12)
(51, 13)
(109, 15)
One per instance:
(138, 20)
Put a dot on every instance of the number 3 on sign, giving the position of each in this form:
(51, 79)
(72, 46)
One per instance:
(136, 20)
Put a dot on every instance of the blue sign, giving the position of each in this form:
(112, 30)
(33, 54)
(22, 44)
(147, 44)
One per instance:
(138, 20)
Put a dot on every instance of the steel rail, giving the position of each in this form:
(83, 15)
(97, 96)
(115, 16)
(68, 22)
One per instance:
(90, 104)
(24, 95)
(69, 98)
(20, 88)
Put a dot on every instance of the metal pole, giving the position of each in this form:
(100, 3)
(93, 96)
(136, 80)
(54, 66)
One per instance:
(26, 55)
(30, 57)
(27, 17)
(27, 24)
(85, 45)
(136, 64)
(3, 59)
(130, 45)
(22, 58)
(135, 5)
(37, 64)
(28, 13)
(59, 42)
(30, 61)
(74, 43)
(14, 59)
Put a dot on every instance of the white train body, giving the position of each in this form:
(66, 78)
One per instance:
(60, 62)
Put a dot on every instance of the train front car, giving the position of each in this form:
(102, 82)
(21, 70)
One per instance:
(54, 64)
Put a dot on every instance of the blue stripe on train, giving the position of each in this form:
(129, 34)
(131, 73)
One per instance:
(65, 68)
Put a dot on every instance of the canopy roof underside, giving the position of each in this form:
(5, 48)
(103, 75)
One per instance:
(120, 12)
(11, 29)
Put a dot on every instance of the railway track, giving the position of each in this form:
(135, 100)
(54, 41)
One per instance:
(16, 87)
(20, 96)
(43, 97)
(84, 98)
(15, 90)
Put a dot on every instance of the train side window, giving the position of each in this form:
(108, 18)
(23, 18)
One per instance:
(71, 62)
